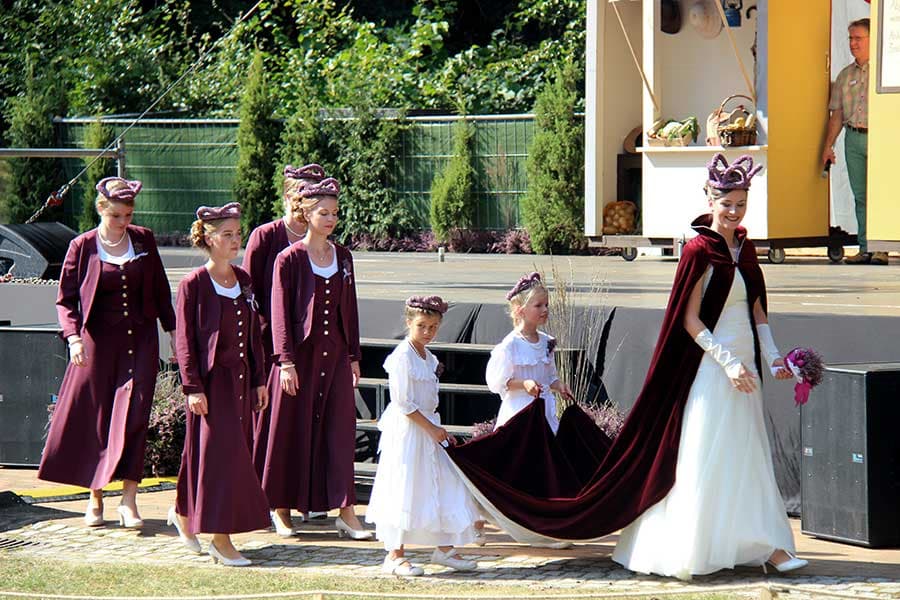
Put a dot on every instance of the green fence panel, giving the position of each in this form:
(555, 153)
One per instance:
(184, 163)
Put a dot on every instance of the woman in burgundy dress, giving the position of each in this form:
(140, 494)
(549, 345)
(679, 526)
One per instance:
(112, 289)
(219, 353)
(264, 244)
(315, 332)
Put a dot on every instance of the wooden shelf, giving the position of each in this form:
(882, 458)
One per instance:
(654, 149)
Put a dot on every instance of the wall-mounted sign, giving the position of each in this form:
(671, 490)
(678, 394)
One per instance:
(888, 47)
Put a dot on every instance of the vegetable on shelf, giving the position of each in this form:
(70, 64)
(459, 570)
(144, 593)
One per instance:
(669, 132)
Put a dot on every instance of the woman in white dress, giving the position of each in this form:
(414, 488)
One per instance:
(417, 497)
(522, 367)
(725, 508)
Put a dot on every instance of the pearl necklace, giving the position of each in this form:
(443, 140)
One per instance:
(288, 227)
(106, 242)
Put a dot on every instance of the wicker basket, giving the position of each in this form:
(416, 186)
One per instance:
(719, 120)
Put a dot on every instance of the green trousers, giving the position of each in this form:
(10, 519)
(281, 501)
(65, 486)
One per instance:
(856, 153)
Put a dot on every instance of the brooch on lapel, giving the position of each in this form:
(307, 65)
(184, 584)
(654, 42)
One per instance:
(348, 273)
(138, 251)
(250, 297)
(551, 346)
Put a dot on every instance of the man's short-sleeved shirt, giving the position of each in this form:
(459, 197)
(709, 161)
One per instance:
(850, 94)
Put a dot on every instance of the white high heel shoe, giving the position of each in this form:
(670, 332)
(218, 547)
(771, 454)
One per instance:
(791, 564)
(94, 516)
(127, 518)
(191, 543)
(217, 557)
(353, 534)
(280, 528)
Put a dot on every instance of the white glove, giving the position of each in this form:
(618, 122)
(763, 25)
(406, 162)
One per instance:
(767, 346)
(725, 357)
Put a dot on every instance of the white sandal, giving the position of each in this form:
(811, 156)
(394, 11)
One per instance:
(400, 566)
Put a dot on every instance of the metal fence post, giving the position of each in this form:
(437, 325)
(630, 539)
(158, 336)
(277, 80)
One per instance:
(120, 158)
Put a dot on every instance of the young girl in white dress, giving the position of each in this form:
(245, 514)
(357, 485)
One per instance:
(417, 497)
(521, 367)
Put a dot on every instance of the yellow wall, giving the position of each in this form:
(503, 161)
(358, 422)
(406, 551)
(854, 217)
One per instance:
(799, 41)
(883, 202)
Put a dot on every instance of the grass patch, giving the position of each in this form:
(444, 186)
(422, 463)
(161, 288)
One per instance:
(21, 573)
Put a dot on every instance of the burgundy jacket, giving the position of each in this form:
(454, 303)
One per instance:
(259, 261)
(81, 272)
(293, 293)
(197, 334)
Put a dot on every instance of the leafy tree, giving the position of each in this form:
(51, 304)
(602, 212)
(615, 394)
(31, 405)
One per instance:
(257, 141)
(452, 201)
(553, 207)
(98, 135)
(30, 126)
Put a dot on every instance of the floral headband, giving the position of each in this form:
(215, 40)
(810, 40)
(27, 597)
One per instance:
(124, 194)
(232, 210)
(327, 187)
(525, 283)
(313, 171)
(734, 177)
(433, 303)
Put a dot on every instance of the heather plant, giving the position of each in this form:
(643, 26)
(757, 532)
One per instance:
(165, 435)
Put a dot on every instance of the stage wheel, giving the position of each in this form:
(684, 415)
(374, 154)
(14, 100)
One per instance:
(776, 256)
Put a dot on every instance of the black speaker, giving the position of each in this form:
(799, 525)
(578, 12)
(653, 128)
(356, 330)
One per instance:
(850, 460)
(34, 249)
(33, 364)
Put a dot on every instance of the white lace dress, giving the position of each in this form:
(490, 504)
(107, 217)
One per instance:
(417, 497)
(517, 358)
(725, 508)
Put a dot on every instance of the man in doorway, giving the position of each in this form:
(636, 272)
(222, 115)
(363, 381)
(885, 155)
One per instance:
(849, 108)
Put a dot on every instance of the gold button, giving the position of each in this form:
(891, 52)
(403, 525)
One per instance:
(326, 311)
(130, 332)
(323, 375)
(131, 370)
(241, 355)
(326, 332)
(328, 302)
(121, 267)
(234, 302)
(242, 397)
(124, 286)
(239, 313)
(123, 278)
(241, 376)
(327, 281)
(131, 352)
(324, 354)
(124, 294)
(241, 345)
(240, 333)
(126, 313)
(326, 322)
(240, 322)
(327, 291)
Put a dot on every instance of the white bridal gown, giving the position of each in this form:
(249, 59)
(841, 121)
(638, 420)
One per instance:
(725, 508)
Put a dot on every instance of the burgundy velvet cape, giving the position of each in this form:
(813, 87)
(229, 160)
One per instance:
(578, 485)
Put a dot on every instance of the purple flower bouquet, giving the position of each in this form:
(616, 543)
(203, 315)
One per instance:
(807, 367)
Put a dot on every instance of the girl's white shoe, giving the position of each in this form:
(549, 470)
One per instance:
(791, 564)
(280, 528)
(217, 557)
(354, 534)
(451, 559)
(400, 566)
(128, 519)
(480, 538)
(191, 543)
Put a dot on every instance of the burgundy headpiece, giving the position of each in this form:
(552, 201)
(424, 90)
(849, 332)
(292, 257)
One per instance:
(525, 283)
(232, 210)
(734, 177)
(311, 172)
(124, 194)
(327, 187)
(435, 303)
